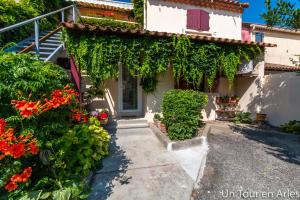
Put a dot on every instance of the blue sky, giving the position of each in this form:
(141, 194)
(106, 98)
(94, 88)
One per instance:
(252, 14)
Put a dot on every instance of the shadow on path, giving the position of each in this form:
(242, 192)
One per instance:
(113, 169)
(282, 146)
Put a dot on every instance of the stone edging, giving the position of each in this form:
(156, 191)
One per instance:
(176, 145)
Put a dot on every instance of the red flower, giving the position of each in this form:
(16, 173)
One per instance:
(2, 125)
(19, 178)
(33, 148)
(11, 186)
(26, 109)
(23, 177)
(9, 135)
(4, 148)
(103, 115)
(26, 174)
(17, 150)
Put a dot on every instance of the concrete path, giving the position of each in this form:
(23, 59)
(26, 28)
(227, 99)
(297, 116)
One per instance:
(139, 167)
(251, 164)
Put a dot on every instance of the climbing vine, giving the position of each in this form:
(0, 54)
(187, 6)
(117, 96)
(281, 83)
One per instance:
(146, 57)
(138, 11)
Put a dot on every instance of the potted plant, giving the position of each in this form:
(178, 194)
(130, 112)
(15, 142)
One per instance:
(225, 99)
(234, 100)
(260, 117)
(103, 116)
(163, 127)
(157, 119)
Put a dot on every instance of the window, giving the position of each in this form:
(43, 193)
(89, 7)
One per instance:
(259, 37)
(197, 20)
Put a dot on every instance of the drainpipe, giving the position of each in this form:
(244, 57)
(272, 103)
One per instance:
(145, 14)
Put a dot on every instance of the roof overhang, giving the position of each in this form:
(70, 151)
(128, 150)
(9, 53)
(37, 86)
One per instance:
(228, 5)
(260, 27)
(279, 67)
(142, 32)
(104, 4)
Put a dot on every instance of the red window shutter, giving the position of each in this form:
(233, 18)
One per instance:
(204, 20)
(197, 20)
(193, 19)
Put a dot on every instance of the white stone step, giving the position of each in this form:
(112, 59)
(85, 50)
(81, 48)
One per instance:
(129, 126)
(132, 123)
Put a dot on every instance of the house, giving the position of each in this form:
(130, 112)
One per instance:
(280, 94)
(217, 21)
(218, 18)
(105, 9)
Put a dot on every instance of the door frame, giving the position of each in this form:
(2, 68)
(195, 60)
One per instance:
(121, 110)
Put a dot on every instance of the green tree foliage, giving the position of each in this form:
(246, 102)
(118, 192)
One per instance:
(146, 57)
(12, 12)
(283, 14)
(24, 74)
(182, 112)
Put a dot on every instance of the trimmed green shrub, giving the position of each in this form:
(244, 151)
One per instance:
(182, 112)
(291, 127)
(243, 118)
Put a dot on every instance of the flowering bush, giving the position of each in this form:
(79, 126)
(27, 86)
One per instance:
(58, 98)
(43, 153)
(14, 147)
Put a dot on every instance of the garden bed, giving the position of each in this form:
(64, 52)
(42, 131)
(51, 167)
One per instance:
(172, 145)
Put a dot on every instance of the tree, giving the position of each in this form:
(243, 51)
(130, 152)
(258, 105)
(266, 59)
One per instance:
(283, 14)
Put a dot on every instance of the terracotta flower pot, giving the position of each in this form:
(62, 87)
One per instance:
(158, 123)
(163, 127)
(155, 122)
(261, 117)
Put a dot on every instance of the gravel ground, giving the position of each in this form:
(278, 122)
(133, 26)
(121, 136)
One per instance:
(251, 165)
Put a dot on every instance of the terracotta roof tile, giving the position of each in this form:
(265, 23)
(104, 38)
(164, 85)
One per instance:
(107, 29)
(105, 5)
(261, 27)
(278, 67)
(229, 5)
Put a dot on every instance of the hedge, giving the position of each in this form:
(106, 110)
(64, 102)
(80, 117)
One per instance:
(182, 112)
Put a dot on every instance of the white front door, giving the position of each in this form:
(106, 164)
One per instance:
(130, 94)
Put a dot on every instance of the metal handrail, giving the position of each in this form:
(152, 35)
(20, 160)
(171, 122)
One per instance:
(37, 26)
(8, 28)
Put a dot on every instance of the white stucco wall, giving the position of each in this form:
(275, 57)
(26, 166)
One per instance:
(288, 45)
(249, 89)
(281, 97)
(153, 101)
(171, 17)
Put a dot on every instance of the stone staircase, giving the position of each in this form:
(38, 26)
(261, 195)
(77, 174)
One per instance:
(49, 48)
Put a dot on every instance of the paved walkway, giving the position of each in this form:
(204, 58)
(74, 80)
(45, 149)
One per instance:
(139, 167)
(246, 164)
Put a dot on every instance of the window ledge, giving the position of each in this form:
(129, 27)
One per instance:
(194, 32)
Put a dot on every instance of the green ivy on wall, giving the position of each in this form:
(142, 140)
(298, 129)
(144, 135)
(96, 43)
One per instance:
(109, 22)
(138, 11)
(146, 57)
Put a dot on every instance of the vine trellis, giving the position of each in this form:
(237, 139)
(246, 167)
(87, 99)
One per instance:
(146, 57)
